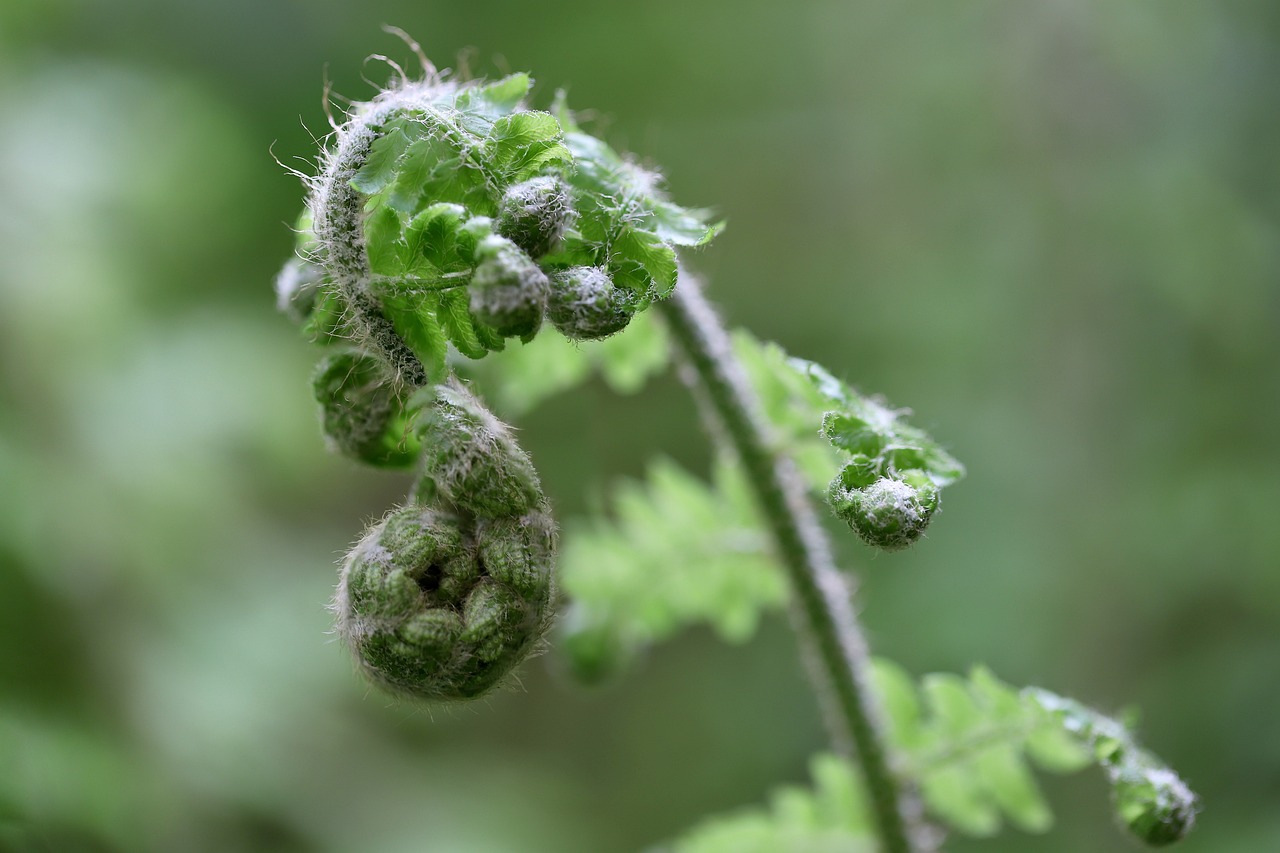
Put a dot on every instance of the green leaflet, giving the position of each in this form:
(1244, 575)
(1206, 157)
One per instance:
(866, 428)
(431, 250)
(642, 254)
(623, 186)
(968, 743)
(427, 263)
(454, 314)
(436, 168)
(800, 396)
(965, 740)
(438, 236)
(492, 100)
(625, 223)
(676, 552)
(379, 167)
(388, 254)
(525, 144)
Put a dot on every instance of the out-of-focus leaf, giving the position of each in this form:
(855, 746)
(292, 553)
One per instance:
(677, 552)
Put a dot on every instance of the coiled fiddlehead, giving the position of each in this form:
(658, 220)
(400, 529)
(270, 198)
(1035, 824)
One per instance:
(444, 596)
(1150, 799)
(446, 219)
(890, 484)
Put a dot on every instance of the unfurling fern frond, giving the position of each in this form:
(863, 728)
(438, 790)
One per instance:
(969, 745)
(449, 223)
(891, 473)
(447, 219)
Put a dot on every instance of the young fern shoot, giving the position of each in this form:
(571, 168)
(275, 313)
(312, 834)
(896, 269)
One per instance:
(448, 222)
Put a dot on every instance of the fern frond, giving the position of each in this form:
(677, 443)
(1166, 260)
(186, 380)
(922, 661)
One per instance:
(970, 744)
(967, 741)
(890, 473)
(676, 552)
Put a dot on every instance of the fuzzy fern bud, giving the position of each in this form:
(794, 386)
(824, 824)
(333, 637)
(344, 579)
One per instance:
(470, 460)
(508, 291)
(535, 214)
(517, 550)
(1149, 798)
(1156, 805)
(890, 513)
(438, 608)
(586, 305)
(362, 410)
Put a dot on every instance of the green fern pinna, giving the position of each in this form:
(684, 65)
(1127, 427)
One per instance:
(447, 226)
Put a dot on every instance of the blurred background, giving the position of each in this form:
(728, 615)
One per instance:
(1050, 228)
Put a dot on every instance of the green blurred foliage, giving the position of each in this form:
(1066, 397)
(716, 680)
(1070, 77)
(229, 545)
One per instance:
(1053, 228)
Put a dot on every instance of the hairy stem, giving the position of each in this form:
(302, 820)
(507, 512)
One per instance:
(338, 214)
(379, 334)
(824, 610)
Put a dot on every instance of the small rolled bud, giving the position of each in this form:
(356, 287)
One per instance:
(889, 514)
(535, 213)
(361, 410)
(425, 616)
(518, 550)
(470, 459)
(508, 291)
(1154, 804)
(585, 304)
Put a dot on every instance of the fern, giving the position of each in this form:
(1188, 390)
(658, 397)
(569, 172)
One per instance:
(970, 744)
(967, 741)
(890, 473)
(447, 223)
(442, 166)
(677, 552)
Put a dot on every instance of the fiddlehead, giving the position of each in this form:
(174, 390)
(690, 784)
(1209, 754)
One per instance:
(889, 486)
(444, 596)
(586, 305)
(508, 290)
(446, 216)
(535, 214)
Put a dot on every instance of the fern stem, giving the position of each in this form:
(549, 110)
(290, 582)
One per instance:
(824, 613)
